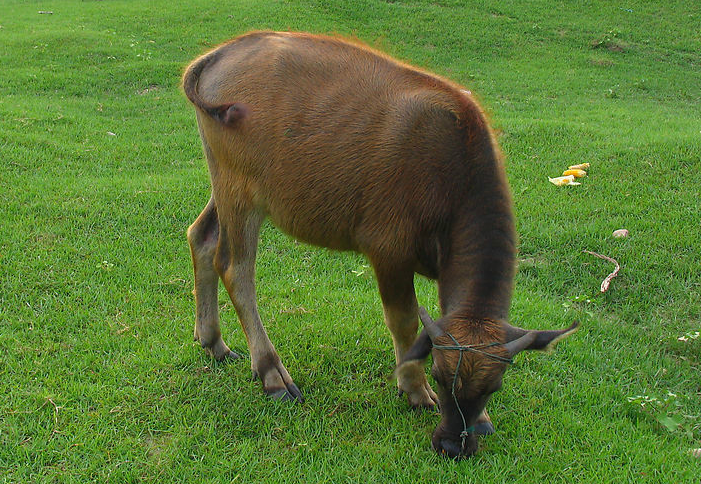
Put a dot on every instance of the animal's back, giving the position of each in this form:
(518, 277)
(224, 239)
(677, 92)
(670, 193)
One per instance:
(345, 147)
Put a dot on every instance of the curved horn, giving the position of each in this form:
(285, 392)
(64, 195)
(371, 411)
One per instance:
(434, 331)
(520, 344)
(521, 339)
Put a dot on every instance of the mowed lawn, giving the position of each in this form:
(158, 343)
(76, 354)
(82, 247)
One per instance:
(101, 172)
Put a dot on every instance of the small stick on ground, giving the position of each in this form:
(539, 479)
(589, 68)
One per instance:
(56, 409)
(606, 282)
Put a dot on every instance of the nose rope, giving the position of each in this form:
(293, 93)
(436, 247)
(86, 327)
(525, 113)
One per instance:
(477, 348)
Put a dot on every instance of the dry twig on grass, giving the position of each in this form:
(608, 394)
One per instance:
(606, 282)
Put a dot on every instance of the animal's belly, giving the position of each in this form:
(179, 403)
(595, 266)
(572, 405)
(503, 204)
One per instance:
(317, 225)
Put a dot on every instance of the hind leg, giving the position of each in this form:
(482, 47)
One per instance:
(203, 237)
(235, 262)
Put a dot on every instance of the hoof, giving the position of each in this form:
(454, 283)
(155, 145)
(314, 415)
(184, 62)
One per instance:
(411, 381)
(277, 383)
(484, 428)
(423, 406)
(218, 350)
(291, 394)
(230, 356)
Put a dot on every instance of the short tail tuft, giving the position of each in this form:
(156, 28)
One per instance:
(230, 114)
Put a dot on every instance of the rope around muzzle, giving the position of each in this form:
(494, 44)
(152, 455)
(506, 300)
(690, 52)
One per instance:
(477, 348)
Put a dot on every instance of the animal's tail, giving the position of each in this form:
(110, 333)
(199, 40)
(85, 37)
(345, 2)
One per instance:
(227, 114)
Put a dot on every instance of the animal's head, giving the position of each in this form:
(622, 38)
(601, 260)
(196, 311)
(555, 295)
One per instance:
(470, 357)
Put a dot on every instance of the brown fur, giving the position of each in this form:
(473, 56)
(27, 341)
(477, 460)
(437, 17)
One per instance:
(344, 147)
(475, 371)
(397, 168)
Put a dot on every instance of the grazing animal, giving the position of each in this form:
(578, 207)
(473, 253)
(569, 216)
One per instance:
(343, 147)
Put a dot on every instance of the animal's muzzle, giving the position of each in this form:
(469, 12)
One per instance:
(454, 447)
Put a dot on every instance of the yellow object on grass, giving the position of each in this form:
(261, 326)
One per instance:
(563, 180)
(575, 172)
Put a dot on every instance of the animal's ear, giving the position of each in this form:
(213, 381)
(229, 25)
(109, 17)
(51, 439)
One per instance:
(520, 339)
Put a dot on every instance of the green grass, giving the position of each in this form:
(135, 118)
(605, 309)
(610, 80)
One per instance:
(101, 172)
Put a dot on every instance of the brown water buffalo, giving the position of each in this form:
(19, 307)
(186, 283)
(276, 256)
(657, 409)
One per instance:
(343, 147)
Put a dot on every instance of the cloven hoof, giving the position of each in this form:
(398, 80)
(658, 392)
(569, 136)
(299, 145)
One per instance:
(484, 428)
(291, 393)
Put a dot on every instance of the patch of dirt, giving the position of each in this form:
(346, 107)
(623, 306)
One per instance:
(156, 445)
(610, 41)
(601, 62)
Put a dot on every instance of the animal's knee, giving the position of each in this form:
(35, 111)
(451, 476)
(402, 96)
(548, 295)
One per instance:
(402, 319)
(204, 232)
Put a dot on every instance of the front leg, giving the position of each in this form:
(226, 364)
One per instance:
(396, 285)
(484, 425)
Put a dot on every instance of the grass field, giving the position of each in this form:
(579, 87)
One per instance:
(101, 172)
